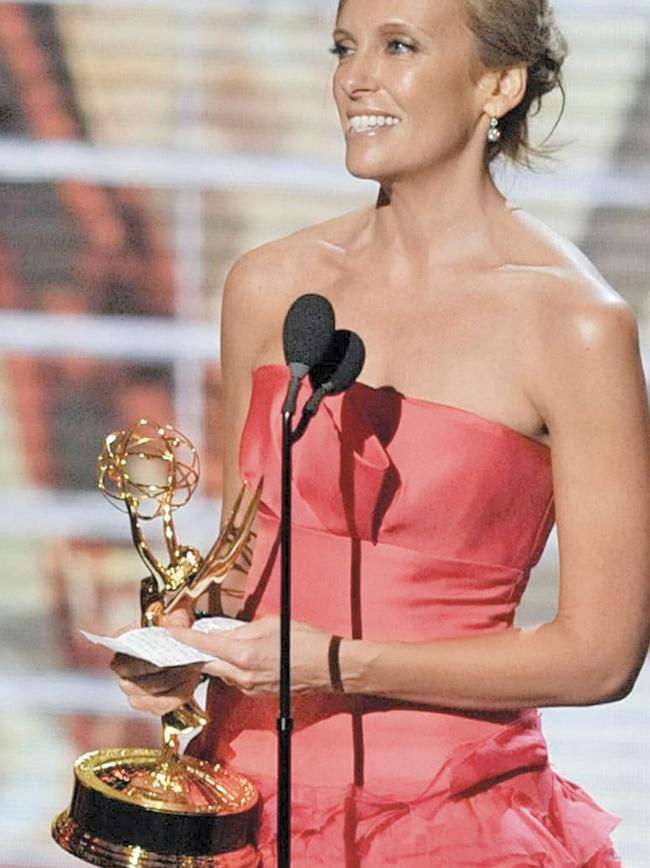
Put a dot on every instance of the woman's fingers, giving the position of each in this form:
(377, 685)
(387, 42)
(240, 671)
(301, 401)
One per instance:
(182, 616)
(150, 688)
(163, 680)
(155, 690)
(225, 644)
(126, 666)
(157, 705)
(248, 657)
(163, 692)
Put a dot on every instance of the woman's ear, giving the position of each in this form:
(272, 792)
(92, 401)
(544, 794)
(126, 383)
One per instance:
(504, 89)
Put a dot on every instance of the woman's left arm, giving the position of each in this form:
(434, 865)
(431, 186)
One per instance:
(591, 393)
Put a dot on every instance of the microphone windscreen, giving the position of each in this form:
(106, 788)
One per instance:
(308, 329)
(351, 364)
(341, 363)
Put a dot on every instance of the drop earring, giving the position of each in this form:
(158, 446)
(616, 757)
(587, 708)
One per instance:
(494, 133)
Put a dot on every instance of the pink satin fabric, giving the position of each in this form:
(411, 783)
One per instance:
(412, 521)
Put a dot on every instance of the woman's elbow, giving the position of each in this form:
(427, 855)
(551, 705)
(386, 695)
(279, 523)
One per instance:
(608, 682)
(600, 671)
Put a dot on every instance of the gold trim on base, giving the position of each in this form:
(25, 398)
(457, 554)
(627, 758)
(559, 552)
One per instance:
(98, 851)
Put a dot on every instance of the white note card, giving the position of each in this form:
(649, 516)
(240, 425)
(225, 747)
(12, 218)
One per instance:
(155, 645)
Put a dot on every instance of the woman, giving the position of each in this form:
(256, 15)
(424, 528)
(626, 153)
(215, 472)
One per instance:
(516, 395)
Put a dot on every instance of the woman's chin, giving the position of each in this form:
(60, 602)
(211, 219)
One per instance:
(365, 169)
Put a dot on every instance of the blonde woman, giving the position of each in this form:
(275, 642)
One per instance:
(502, 391)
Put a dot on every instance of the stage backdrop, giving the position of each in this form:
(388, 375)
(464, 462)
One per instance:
(143, 147)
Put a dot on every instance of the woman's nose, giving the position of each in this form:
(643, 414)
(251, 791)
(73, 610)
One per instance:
(359, 74)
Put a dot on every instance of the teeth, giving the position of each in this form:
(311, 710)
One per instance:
(359, 123)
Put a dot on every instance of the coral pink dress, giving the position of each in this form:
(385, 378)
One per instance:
(412, 521)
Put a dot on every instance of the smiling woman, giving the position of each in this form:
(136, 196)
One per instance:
(515, 397)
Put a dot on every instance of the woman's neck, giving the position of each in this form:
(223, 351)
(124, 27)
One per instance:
(446, 216)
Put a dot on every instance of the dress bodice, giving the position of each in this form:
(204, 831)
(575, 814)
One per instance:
(458, 506)
(384, 467)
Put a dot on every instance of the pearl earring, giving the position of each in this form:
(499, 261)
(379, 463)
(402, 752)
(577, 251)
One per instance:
(494, 133)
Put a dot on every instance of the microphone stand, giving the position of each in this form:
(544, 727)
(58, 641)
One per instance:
(285, 721)
(345, 373)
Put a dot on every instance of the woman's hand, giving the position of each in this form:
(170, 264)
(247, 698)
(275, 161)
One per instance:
(249, 656)
(155, 690)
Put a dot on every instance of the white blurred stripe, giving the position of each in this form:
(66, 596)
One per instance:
(123, 338)
(45, 515)
(62, 692)
(52, 161)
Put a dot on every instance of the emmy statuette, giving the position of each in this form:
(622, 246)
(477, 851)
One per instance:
(142, 806)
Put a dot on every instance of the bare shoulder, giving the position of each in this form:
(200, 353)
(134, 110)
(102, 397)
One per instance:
(578, 327)
(568, 302)
(264, 282)
(277, 269)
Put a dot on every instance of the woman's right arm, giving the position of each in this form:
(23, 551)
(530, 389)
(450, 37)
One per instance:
(242, 339)
(244, 334)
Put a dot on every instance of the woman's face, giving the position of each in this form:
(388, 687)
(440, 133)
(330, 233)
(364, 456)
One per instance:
(404, 86)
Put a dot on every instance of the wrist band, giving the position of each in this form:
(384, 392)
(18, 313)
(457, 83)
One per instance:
(334, 665)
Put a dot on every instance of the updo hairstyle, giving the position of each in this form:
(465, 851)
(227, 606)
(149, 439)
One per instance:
(509, 32)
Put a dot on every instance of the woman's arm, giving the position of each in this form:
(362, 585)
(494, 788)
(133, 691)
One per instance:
(240, 342)
(591, 392)
(147, 687)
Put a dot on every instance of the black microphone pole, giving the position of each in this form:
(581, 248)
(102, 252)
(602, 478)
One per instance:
(307, 333)
(285, 721)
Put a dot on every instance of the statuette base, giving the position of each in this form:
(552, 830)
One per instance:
(135, 807)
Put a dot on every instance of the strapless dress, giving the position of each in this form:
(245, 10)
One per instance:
(413, 520)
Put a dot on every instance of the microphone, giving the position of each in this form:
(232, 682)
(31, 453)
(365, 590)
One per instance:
(335, 359)
(306, 334)
(339, 368)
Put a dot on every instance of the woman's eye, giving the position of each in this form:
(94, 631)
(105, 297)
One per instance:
(399, 46)
(340, 50)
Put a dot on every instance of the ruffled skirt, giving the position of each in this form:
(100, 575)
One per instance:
(532, 819)
(493, 802)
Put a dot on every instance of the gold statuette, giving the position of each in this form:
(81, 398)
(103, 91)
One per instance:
(147, 807)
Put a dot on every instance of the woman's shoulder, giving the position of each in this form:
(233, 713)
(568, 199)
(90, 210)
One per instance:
(576, 326)
(263, 283)
(566, 294)
(286, 265)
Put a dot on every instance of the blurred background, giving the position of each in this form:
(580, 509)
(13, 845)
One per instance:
(143, 147)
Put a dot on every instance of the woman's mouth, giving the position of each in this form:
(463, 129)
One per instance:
(371, 123)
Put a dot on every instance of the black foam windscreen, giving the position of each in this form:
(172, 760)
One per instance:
(341, 364)
(351, 365)
(308, 329)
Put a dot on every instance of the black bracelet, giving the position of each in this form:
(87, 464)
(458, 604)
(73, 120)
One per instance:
(334, 664)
